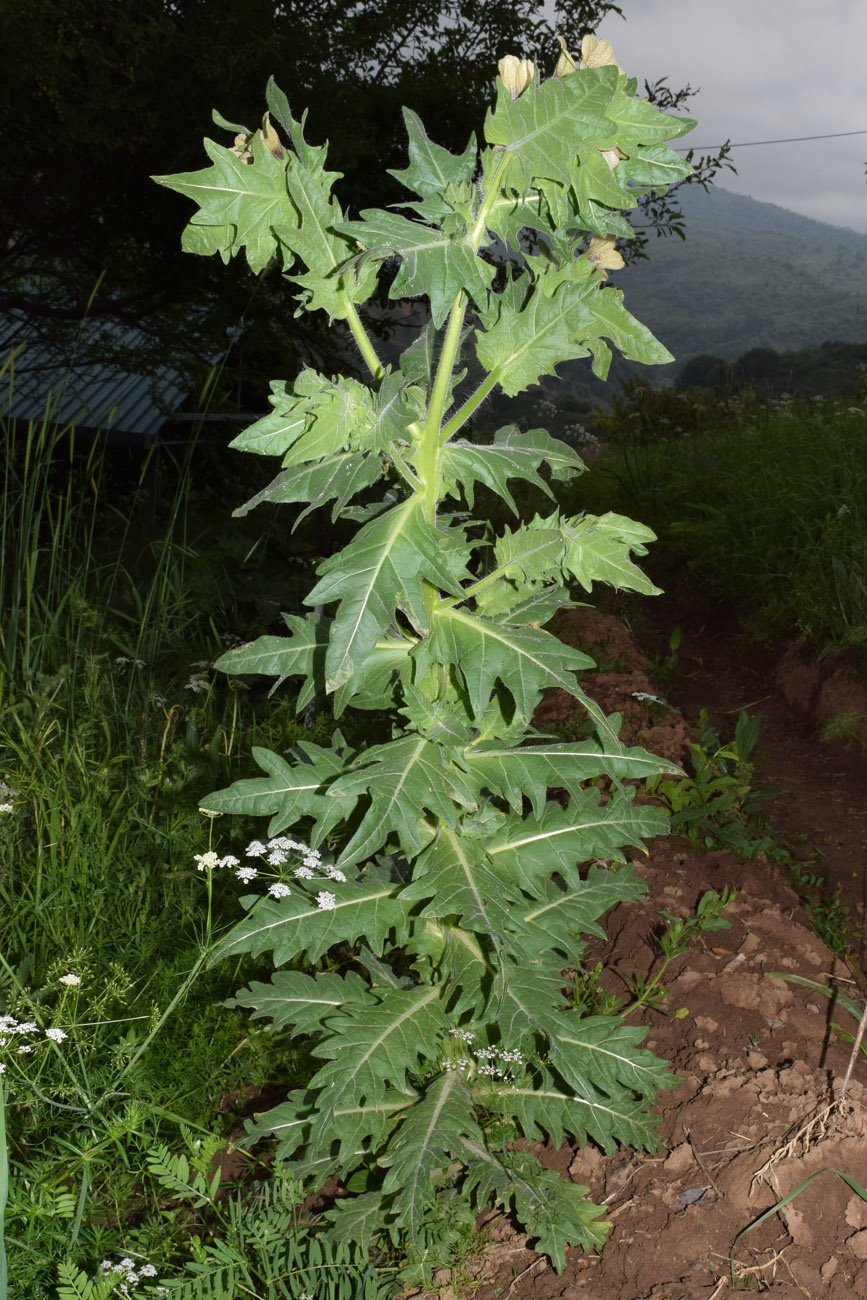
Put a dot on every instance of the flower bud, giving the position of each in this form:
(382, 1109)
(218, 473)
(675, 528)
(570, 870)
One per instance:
(565, 64)
(602, 253)
(596, 53)
(516, 74)
(271, 139)
(241, 148)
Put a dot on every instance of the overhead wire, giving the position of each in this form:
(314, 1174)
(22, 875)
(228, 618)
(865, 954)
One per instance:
(746, 144)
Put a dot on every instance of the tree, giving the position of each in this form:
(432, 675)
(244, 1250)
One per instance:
(99, 94)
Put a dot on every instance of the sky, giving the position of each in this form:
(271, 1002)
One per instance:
(764, 70)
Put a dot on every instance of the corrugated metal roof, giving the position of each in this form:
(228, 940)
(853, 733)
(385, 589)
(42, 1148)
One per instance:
(104, 397)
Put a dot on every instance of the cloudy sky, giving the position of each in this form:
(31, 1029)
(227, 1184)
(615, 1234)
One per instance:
(764, 70)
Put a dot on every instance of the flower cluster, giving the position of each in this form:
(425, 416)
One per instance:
(7, 798)
(126, 1274)
(277, 853)
(12, 1029)
(200, 681)
(486, 1061)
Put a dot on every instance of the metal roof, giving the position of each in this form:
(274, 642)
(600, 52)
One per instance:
(100, 397)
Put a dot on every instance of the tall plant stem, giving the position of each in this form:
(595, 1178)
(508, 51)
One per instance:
(365, 347)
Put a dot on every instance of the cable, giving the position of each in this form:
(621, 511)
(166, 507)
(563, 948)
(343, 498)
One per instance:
(791, 139)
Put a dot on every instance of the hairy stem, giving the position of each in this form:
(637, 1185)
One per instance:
(365, 347)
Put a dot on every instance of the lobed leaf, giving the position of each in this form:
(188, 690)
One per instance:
(381, 571)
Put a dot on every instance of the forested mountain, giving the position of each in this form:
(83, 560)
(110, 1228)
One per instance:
(750, 275)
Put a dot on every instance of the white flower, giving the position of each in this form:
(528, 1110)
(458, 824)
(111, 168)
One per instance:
(229, 861)
(327, 902)
(56, 1035)
(334, 874)
(2, 1068)
(303, 873)
(24, 1048)
(246, 873)
(645, 695)
(6, 808)
(276, 857)
(207, 861)
(255, 849)
(279, 890)
(71, 980)
(26, 1027)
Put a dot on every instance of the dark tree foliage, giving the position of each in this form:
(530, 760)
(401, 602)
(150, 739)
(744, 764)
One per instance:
(98, 95)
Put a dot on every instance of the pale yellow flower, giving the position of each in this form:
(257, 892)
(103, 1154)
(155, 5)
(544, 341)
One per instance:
(516, 74)
(596, 53)
(565, 64)
(602, 253)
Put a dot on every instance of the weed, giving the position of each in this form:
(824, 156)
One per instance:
(720, 803)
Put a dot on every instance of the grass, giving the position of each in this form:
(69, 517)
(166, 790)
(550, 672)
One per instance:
(766, 511)
(112, 728)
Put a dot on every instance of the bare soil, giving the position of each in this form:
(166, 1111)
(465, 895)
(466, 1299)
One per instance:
(757, 1107)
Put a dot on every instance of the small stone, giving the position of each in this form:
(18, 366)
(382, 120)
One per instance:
(680, 1159)
(856, 1213)
(829, 1268)
(858, 1244)
(757, 1061)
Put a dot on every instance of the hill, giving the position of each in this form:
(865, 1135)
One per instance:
(750, 275)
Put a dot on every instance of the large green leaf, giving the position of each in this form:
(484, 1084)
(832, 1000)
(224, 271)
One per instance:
(294, 1124)
(319, 240)
(431, 1136)
(433, 263)
(381, 571)
(567, 908)
(402, 779)
(525, 659)
(598, 549)
(379, 1045)
(339, 476)
(553, 1210)
(529, 340)
(275, 432)
(431, 167)
(301, 654)
(289, 791)
(293, 925)
(543, 130)
(301, 1002)
(585, 829)
(240, 205)
(612, 321)
(511, 455)
(456, 875)
(532, 770)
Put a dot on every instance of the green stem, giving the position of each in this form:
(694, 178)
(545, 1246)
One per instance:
(365, 347)
(431, 437)
(4, 1190)
(404, 470)
(179, 996)
(429, 449)
(470, 406)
